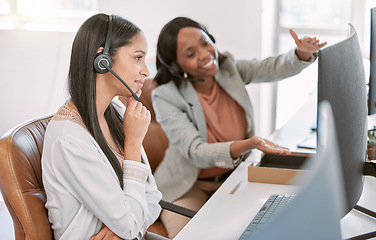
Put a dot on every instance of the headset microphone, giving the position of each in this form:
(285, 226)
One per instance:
(103, 61)
(121, 80)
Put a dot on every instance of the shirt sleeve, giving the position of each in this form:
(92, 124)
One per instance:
(153, 195)
(272, 68)
(84, 170)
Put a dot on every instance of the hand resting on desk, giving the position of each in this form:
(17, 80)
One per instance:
(238, 148)
(267, 146)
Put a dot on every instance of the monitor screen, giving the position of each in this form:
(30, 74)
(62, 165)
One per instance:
(372, 59)
(316, 210)
(342, 82)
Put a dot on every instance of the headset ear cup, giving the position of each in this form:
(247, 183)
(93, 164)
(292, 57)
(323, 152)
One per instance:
(175, 68)
(102, 59)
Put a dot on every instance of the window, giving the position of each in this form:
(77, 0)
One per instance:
(5, 6)
(65, 8)
(324, 19)
(318, 14)
(45, 15)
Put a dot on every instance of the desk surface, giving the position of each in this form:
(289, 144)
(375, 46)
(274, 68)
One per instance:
(225, 215)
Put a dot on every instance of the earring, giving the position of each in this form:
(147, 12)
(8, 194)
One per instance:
(185, 75)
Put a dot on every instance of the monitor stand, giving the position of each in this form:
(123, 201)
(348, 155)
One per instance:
(369, 170)
(365, 235)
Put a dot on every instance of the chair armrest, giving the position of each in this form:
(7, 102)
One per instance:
(177, 209)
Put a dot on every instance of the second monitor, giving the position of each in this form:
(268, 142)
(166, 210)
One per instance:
(341, 81)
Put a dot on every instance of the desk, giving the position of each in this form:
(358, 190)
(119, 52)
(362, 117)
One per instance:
(225, 216)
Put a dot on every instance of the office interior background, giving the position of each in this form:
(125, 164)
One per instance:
(36, 38)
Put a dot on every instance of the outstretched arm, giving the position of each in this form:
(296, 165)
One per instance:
(306, 46)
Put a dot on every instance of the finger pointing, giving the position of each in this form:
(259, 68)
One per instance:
(294, 36)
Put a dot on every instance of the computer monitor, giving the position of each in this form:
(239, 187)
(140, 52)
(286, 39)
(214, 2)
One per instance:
(316, 210)
(341, 81)
(372, 59)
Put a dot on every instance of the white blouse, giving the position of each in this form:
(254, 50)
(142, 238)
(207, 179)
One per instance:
(83, 191)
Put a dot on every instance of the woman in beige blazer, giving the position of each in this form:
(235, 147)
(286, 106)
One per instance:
(204, 108)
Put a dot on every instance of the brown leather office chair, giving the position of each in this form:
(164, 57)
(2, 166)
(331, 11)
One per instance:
(155, 141)
(155, 144)
(21, 179)
(21, 174)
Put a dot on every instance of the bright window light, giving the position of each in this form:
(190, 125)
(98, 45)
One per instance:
(45, 15)
(51, 27)
(7, 26)
(66, 8)
(325, 19)
(315, 14)
(5, 7)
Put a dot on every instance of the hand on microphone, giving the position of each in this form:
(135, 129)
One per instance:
(136, 122)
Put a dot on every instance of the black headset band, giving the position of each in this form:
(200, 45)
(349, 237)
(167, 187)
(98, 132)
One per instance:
(161, 60)
(175, 73)
(108, 38)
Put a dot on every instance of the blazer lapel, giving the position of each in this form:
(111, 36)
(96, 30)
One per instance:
(190, 95)
(231, 82)
(234, 86)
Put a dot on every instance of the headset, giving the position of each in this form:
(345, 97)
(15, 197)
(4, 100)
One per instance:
(174, 67)
(103, 60)
(174, 70)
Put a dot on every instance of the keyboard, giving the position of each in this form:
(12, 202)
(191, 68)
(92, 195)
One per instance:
(272, 206)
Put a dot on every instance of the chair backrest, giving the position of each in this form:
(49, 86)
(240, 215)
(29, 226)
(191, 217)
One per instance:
(155, 141)
(21, 179)
(21, 173)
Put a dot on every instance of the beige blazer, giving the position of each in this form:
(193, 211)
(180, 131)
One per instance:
(180, 114)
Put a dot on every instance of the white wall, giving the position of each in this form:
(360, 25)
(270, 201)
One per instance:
(236, 26)
(35, 64)
(34, 73)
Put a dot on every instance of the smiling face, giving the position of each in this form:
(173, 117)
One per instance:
(196, 53)
(130, 65)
